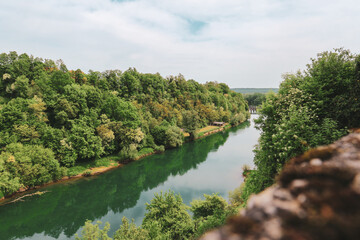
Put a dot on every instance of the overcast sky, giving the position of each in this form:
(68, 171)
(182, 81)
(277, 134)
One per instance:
(244, 43)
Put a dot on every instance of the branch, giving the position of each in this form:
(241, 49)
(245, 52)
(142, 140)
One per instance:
(28, 195)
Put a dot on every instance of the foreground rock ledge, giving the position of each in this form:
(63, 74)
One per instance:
(317, 196)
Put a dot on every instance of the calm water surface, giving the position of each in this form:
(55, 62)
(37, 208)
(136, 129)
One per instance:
(210, 165)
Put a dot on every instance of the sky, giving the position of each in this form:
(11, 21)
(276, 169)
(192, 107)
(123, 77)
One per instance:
(244, 43)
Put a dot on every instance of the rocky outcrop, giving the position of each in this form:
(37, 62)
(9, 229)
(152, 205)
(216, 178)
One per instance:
(317, 196)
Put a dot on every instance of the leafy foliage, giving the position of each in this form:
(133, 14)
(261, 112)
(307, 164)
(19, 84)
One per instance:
(28, 165)
(209, 206)
(171, 213)
(167, 218)
(93, 232)
(255, 99)
(129, 231)
(81, 116)
(312, 108)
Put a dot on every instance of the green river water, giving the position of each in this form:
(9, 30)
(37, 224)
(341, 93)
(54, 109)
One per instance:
(209, 165)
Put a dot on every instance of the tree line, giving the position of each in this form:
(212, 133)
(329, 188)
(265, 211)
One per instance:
(52, 118)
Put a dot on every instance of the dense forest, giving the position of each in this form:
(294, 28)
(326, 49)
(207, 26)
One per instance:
(52, 118)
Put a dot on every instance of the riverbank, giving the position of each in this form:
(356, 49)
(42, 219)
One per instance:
(110, 163)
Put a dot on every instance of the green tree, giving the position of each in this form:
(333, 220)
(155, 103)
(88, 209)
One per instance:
(84, 141)
(171, 213)
(21, 86)
(43, 104)
(312, 108)
(190, 122)
(330, 78)
(32, 164)
(93, 232)
(119, 110)
(60, 79)
(174, 137)
(129, 231)
(8, 183)
(209, 206)
(255, 99)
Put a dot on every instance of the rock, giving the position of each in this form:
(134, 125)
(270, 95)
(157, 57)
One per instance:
(315, 162)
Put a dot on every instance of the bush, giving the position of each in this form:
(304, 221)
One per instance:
(174, 137)
(160, 148)
(32, 164)
(236, 196)
(237, 119)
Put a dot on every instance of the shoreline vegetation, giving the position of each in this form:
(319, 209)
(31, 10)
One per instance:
(109, 164)
(56, 122)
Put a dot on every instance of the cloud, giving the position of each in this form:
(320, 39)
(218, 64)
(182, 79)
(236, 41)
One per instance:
(241, 42)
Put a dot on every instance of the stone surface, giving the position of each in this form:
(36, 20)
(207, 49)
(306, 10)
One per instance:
(317, 196)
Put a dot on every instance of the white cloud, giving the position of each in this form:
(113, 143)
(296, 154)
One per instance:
(244, 43)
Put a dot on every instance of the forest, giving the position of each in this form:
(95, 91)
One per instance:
(53, 119)
(313, 107)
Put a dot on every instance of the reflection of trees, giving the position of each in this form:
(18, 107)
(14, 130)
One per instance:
(67, 206)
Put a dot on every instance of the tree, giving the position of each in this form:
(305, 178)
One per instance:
(84, 141)
(330, 78)
(14, 112)
(43, 104)
(60, 79)
(171, 213)
(120, 110)
(255, 99)
(312, 108)
(21, 86)
(208, 207)
(26, 133)
(38, 108)
(93, 232)
(130, 83)
(190, 122)
(32, 164)
(8, 183)
(174, 137)
(129, 231)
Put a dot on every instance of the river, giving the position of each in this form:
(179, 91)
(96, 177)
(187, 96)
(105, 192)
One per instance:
(209, 165)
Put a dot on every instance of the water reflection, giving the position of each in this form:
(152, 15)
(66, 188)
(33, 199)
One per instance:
(64, 209)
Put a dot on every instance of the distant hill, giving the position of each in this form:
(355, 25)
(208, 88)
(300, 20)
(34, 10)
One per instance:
(255, 90)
